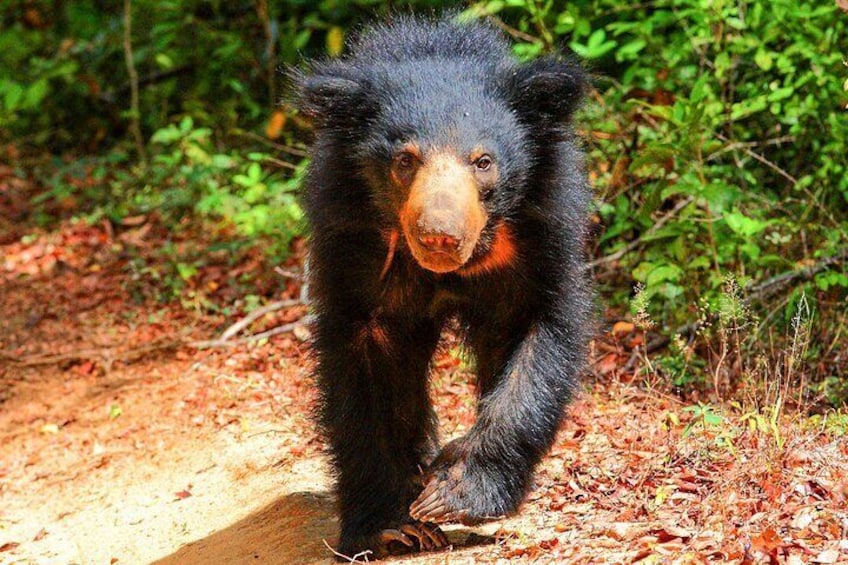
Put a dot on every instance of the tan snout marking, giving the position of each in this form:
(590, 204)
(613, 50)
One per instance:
(443, 202)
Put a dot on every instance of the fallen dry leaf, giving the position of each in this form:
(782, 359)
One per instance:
(767, 541)
(827, 556)
(183, 494)
(622, 328)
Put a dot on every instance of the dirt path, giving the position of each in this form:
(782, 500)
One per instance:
(131, 465)
(171, 456)
(181, 455)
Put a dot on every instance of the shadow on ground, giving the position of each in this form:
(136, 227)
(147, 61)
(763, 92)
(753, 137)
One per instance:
(289, 531)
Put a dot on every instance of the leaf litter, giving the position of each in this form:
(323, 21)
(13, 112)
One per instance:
(97, 453)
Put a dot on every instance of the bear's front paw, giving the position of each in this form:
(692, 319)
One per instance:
(409, 537)
(459, 490)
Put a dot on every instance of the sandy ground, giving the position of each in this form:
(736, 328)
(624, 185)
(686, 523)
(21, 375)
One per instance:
(173, 456)
(119, 445)
(197, 468)
(144, 487)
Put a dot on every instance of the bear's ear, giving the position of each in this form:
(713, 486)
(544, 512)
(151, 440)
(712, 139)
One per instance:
(331, 98)
(547, 88)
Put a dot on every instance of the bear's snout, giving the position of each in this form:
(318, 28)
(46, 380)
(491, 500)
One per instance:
(441, 225)
(443, 216)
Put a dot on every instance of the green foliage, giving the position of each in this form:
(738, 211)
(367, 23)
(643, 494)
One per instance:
(64, 81)
(716, 137)
(232, 187)
(832, 423)
(703, 415)
(718, 140)
(720, 106)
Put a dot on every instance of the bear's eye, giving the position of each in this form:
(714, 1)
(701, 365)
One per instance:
(483, 163)
(405, 160)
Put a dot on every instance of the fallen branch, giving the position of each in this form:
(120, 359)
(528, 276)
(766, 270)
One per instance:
(754, 292)
(108, 355)
(255, 315)
(775, 283)
(285, 328)
(289, 274)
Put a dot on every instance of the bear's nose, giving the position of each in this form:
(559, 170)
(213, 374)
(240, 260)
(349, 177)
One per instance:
(439, 242)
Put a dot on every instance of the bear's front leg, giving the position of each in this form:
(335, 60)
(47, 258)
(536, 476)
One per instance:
(376, 415)
(487, 473)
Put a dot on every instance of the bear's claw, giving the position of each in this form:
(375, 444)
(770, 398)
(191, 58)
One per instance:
(414, 536)
(431, 506)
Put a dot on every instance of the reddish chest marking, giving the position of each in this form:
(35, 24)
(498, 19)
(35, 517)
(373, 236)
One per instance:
(502, 254)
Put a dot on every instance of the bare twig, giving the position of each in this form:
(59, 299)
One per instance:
(255, 315)
(764, 161)
(354, 559)
(285, 148)
(636, 242)
(135, 114)
(771, 285)
(749, 144)
(280, 163)
(285, 328)
(289, 274)
(516, 33)
(119, 93)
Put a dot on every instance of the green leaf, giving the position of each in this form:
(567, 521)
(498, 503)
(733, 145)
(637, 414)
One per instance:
(781, 93)
(255, 172)
(763, 59)
(35, 94)
(699, 89)
(186, 271)
(664, 273)
(243, 180)
(220, 161)
(164, 61)
(743, 225)
(630, 50)
(335, 41)
(597, 45)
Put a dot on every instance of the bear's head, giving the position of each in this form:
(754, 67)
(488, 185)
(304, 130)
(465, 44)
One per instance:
(447, 144)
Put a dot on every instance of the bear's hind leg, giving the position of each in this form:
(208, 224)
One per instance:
(376, 414)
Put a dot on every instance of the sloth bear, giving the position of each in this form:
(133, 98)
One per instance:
(445, 184)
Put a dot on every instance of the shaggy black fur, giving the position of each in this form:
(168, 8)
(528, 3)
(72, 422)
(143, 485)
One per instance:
(442, 85)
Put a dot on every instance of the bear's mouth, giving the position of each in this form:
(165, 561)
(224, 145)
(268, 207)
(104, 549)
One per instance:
(438, 261)
(440, 251)
(494, 252)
